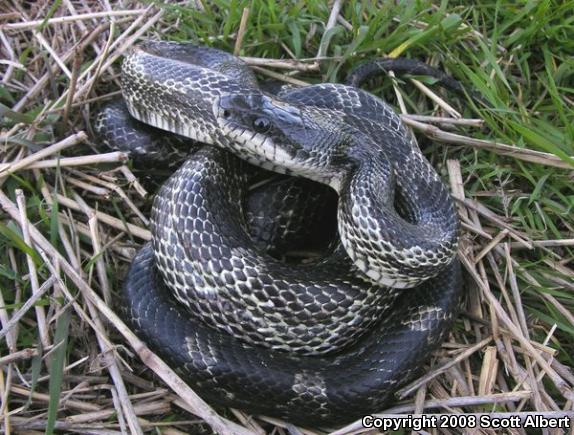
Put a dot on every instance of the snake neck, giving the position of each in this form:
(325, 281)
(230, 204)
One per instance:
(398, 232)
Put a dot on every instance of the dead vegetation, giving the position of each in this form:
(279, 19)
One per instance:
(73, 217)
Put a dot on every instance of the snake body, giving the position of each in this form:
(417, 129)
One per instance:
(312, 343)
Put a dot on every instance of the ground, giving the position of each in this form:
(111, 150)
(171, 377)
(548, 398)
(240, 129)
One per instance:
(72, 217)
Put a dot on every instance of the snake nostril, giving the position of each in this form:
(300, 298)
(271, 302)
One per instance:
(226, 113)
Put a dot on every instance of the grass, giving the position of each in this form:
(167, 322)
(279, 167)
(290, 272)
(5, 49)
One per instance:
(67, 233)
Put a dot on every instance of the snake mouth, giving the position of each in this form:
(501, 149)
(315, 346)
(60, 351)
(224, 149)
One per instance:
(271, 134)
(234, 115)
(151, 47)
(251, 135)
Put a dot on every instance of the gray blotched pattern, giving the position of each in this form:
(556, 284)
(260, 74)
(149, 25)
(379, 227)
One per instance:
(244, 308)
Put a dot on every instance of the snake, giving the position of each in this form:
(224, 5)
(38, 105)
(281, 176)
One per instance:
(318, 342)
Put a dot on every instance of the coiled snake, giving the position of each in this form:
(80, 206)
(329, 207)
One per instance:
(316, 343)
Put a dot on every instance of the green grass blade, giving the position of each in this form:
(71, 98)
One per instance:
(57, 368)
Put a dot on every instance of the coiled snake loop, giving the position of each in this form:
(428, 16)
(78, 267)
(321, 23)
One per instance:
(316, 343)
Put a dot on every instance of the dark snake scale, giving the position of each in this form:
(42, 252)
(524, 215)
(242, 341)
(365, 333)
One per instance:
(316, 342)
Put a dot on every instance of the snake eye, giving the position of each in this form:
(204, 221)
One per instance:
(261, 125)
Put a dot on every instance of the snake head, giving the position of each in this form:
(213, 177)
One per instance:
(282, 137)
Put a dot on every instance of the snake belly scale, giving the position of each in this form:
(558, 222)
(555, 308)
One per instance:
(318, 343)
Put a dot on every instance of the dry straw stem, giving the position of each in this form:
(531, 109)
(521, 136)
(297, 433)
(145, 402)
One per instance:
(443, 120)
(562, 386)
(59, 62)
(434, 97)
(18, 355)
(113, 157)
(125, 403)
(116, 223)
(400, 99)
(241, 31)
(109, 186)
(91, 422)
(335, 9)
(525, 154)
(544, 243)
(199, 407)
(68, 19)
(120, 44)
(413, 386)
(41, 84)
(77, 63)
(100, 64)
(248, 421)
(70, 141)
(97, 254)
(33, 275)
(296, 65)
(281, 77)
(290, 428)
(17, 316)
(76, 405)
(488, 371)
(484, 399)
(505, 348)
(491, 244)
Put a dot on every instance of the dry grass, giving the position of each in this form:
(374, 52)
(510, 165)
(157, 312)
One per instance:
(72, 219)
